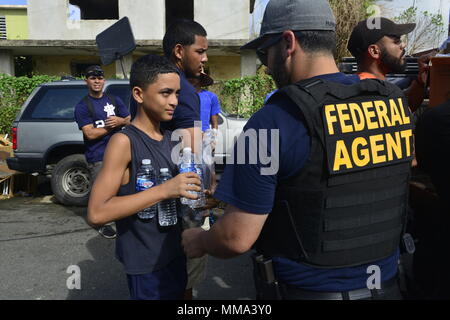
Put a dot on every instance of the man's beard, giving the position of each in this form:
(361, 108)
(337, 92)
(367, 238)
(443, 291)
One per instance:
(278, 72)
(393, 64)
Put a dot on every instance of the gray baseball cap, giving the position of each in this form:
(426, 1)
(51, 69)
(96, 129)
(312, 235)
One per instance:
(295, 15)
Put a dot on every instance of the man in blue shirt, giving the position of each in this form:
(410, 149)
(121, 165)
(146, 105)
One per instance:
(297, 43)
(209, 102)
(99, 118)
(185, 45)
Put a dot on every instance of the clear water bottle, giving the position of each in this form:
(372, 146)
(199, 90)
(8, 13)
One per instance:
(167, 209)
(145, 179)
(187, 165)
(201, 200)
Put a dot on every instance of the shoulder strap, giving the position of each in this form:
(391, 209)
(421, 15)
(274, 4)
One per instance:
(111, 98)
(305, 95)
(90, 106)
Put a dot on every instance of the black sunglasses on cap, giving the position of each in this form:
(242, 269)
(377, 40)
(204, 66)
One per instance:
(273, 39)
(261, 52)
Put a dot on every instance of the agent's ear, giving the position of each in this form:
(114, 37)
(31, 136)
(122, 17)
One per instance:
(138, 94)
(374, 51)
(290, 42)
(178, 52)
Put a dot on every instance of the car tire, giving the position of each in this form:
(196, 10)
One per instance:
(71, 181)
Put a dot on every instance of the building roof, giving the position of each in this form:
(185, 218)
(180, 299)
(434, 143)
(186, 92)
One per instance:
(89, 47)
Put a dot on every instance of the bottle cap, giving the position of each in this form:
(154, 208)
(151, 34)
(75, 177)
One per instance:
(146, 161)
(164, 170)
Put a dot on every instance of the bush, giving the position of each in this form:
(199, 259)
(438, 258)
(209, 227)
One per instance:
(15, 90)
(7, 116)
(13, 93)
(244, 96)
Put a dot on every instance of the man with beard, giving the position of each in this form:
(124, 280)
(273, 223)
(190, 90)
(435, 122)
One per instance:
(379, 50)
(319, 233)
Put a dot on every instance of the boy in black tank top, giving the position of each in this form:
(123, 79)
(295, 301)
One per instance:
(151, 255)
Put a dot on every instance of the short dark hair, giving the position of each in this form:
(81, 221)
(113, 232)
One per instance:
(317, 41)
(183, 32)
(146, 69)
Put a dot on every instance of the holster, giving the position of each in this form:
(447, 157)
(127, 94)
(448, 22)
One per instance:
(267, 287)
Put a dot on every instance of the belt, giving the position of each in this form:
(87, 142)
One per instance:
(294, 293)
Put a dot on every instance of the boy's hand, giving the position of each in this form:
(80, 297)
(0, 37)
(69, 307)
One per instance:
(180, 186)
(210, 201)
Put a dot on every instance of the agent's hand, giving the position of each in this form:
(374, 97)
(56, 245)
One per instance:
(114, 122)
(180, 186)
(192, 243)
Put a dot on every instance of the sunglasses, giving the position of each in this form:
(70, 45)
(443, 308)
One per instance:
(261, 52)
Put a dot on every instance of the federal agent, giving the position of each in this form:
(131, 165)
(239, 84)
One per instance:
(335, 210)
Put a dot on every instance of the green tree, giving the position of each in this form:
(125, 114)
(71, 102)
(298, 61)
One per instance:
(348, 13)
(428, 29)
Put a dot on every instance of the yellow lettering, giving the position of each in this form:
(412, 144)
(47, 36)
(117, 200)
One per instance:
(394, 146)
(330, 119)
(357, 117)
(364, 152)
(406, 119)
(344, 117)
(369, 115)
(395, 115)
(406, 134)
(376, 148)
(382, 112)
(342, 158)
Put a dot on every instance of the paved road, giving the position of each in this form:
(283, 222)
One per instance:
(39, 240)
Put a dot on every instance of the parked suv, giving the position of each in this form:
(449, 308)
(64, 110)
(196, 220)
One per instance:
(46, 138)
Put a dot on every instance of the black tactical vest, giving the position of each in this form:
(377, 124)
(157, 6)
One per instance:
(347, 206)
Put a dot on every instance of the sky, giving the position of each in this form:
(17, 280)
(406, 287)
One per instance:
(21, 2)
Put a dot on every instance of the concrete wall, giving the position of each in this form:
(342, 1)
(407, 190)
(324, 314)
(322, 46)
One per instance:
(228, 19)
(222, 19)
(224, 67)
(61, 65)
(221, 67)
(16, 23)
(147, 19)
(6, 62)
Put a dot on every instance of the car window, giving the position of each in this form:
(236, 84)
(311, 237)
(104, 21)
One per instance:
(122, 91)
(55, 103)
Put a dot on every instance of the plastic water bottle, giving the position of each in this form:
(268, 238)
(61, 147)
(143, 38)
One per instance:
(187, 165)
(201, 200)
(145, 179)
(167, 209)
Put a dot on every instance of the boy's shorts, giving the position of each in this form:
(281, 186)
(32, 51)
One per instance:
(168, 283)
(196, 268)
